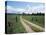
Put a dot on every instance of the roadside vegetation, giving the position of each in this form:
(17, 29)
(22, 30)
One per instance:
(14, 25)
(39, 20)
(36, 19)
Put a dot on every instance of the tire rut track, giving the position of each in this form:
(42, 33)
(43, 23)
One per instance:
(27, 28)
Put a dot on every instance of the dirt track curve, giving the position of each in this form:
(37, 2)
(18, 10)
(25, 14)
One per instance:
(27, 27)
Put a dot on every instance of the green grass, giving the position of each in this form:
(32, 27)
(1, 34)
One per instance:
(39, 20)
(15, 27)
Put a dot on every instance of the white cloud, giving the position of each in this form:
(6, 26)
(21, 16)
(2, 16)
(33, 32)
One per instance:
(27, 10)
(14, 10)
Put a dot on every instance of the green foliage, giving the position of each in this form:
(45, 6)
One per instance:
(39, 20)
(15, 27)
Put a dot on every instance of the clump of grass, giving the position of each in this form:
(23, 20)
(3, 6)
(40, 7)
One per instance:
(39, 20)
(15, 25)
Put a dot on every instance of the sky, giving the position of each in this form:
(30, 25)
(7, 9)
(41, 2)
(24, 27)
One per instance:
(17, 4)
(27, 0)
(24, 6)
